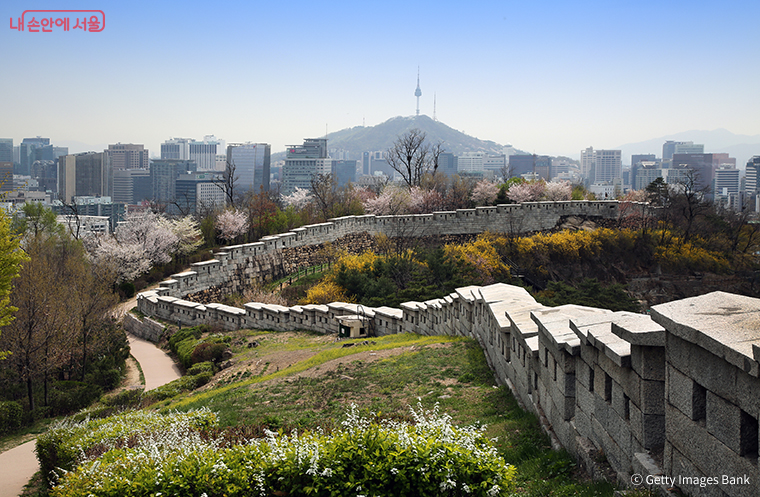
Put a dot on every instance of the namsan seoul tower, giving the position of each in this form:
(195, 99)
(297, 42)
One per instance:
(418, 92)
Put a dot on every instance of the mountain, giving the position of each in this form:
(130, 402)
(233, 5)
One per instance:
(742, 147)
(361, 139)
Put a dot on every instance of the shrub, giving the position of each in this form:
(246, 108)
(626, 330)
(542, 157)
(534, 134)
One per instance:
(430, 457)
(67, 443)
(185, 349)
(11, 415)
(70, 396)
(205, 352)
(182, 335)
(127, 398)
(201, 367)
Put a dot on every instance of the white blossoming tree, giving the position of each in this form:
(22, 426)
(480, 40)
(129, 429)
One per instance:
(558, 191)
(231, 223)
(484, 192)
(526, 192)
(142, 241)
(298, 199)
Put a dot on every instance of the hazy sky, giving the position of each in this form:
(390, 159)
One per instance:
(548, 77)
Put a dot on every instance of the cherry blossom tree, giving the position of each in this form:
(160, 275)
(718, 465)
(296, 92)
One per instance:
(526, 192)
(298, 199)
(142, 241)
(231, 223)
(484, 192)
(558, 191)
(188, 233)
(391, 201)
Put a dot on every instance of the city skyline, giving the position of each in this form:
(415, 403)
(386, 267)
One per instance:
(545, 77)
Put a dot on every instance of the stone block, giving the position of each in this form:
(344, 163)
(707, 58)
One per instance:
(601, 410)
(713, 373)
(618, 402)
(749, 386)
(652, 397)
(707, 454)
(677, 352)
(618, 459)
(723, 420)
(648, 362)
(636, 422)
(653, 431)
(631, 384)
(582, 374)
(582, 423)
(680, 394)
(584, 400)
(620, 431)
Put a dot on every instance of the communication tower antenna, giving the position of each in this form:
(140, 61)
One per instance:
(418, 92)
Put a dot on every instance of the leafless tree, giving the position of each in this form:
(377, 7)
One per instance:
(227, 182)
(411, 157)
(323, 188)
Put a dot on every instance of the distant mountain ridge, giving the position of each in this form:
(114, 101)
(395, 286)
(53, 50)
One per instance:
(361, 139)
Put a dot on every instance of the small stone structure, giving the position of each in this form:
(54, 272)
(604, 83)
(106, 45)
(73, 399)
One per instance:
(670, 399)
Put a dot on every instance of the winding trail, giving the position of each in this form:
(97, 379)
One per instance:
(158, 368)
(18, 465)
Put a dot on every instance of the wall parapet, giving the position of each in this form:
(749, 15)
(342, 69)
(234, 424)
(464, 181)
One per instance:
(235, 266)
(680, 386)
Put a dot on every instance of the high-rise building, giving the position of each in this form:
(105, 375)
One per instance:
(344, 171)
(725, 183)
(26, 153)
(638, 163)
(252, 162)
(132, 186)
(601, 166)
(6, 150)
(703, 166)
(176, 148)
(204, 152)
(670, 148)
(752, 178)
(470, 162)
(164, 174)
(84, 174)
(198, 191)
(530, 165)
(587, 162)
(365, 163)
(496, 163)
(608, 166)
(447, 164)
(128, 156)
(303, 162)
(379, 166)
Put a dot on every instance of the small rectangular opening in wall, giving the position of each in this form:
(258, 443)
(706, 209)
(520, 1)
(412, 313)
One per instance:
(607, 387)
(626, 407)
(748, 436)
(590, 379)
(555, 370)
(698, 402)
(535, 381)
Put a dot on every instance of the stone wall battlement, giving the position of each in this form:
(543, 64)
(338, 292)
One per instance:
(235, 266)
(675, 393)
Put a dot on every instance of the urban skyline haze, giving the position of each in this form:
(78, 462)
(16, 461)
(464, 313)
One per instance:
(546, 77)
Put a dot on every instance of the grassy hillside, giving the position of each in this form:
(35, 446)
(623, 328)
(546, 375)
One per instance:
(305, 381)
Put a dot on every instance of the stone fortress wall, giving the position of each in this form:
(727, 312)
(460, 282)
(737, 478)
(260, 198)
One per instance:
(672, 397)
